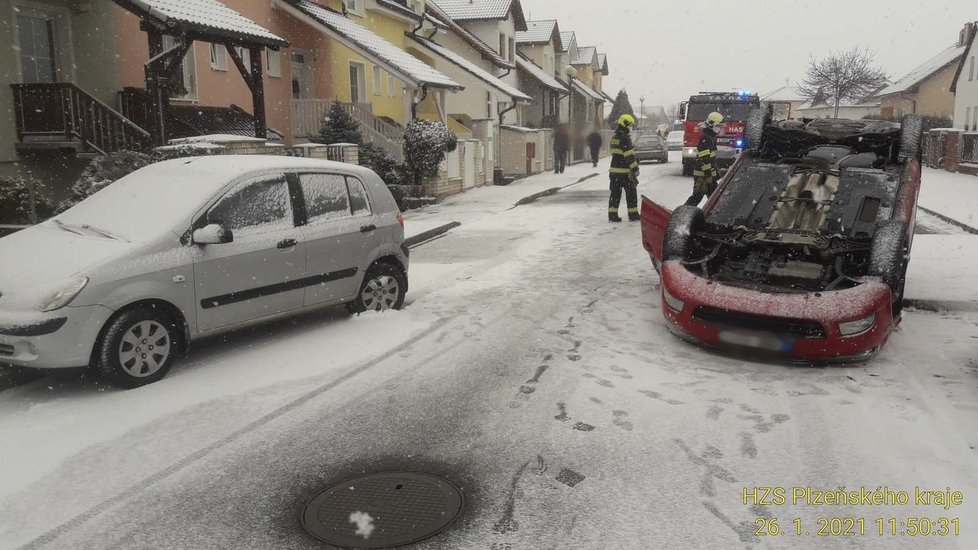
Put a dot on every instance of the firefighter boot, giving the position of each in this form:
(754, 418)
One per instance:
(613, 217)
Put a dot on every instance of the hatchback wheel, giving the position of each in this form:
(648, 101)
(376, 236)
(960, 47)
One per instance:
(383, 288)
(138, 348)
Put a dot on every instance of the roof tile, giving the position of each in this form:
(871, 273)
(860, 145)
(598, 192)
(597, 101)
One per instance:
(208, 15)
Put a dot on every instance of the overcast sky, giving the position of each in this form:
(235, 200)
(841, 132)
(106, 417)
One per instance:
(669, 49)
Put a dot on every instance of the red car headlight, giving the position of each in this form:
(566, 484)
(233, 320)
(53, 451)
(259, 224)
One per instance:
(852, 328)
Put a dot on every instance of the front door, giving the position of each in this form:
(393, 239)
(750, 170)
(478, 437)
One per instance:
(302, 87)
(260, 273)
(340, 235)
(358, 92)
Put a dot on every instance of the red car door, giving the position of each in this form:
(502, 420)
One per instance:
(654, 221)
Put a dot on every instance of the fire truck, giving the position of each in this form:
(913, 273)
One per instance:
(732, 138)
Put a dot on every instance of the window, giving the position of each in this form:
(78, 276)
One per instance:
(974, 118)
(971, 69)
(354, 6)
(273, 63)
(359, 201)
(245, 56)
(326, 197)
(219, 57)
(378, 82)
(391, 85)
(184, 82)
(254, 207)
(357, 92)
(967, 118)
(502, 45)
(37, 47)
(512, 49)
(301, 75)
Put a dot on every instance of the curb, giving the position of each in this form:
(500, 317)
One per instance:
(535, 196)
(951, 221)
(582, 180)
(424, 236)
(548, 192)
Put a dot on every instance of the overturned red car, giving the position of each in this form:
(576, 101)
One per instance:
(802, 251)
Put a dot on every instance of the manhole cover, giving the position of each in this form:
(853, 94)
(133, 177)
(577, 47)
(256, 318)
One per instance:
(382, 510)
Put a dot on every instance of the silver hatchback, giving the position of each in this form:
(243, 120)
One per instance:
(192, 247)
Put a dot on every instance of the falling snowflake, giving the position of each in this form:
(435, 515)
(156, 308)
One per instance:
(365, 523)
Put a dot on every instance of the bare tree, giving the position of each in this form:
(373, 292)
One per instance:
(846, 75)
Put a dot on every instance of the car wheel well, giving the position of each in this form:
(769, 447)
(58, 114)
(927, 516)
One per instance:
(391, 260)
(170, 310)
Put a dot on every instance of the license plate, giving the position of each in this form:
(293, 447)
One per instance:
(754, 339)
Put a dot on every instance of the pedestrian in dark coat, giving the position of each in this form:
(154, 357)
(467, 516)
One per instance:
(561, 146)
(594, 142)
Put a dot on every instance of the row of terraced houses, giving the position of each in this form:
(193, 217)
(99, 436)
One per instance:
(96, 76)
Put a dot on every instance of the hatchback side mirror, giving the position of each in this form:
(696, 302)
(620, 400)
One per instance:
(213, 233)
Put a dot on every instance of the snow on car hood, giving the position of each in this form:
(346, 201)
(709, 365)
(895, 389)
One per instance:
(38, 261)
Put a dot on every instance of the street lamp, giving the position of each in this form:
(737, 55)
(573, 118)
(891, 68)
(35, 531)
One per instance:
(570, 72)
(641, 110)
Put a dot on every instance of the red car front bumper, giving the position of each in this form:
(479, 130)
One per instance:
(794, 326)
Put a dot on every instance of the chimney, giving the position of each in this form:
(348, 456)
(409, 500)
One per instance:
(967, 33)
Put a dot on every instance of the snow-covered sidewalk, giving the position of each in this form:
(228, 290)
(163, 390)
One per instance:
(949, 193)
(475, 204)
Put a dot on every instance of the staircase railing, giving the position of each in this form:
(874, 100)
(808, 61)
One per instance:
(64, 109)
(308, 116)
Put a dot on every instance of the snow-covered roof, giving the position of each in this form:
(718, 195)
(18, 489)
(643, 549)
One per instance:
(483, 10)
(566, 37)
(438, 14)
(585, 55)
(394, 59)
(473, 69)
(540, 32)
(926, 70)
(603, 63)
(205, 16)
(588, 91)
(524, 63)
(784, 93)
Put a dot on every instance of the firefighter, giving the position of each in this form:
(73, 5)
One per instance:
(705, 172)
(624, 171)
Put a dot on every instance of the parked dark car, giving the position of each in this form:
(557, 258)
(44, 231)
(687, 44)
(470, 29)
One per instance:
(803, 249)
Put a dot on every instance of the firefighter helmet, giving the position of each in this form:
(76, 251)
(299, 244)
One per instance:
(626, 120)
(713, 119)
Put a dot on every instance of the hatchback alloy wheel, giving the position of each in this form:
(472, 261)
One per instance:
(380, 293)
(144, 349)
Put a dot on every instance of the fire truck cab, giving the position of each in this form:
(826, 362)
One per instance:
(732, 139)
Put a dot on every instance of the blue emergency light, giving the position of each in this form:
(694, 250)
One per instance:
(740, 143)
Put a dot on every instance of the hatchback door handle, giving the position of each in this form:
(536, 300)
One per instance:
(367, 228)
(287, 243)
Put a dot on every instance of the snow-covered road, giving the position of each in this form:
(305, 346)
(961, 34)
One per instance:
(532, 368)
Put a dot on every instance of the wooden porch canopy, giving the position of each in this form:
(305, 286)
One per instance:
(203, 21)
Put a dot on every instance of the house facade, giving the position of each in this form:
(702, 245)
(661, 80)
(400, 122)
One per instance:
(926, 90)
(785, 102)
(965, 82)
(537, 56)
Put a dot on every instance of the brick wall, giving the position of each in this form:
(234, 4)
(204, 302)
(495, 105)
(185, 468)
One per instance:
(945, 147)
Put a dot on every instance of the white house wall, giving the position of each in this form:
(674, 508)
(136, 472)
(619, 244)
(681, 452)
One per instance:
(488, 32)
(966, 94)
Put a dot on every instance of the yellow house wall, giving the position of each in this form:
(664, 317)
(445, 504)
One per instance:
(391, 30)
(933, 97)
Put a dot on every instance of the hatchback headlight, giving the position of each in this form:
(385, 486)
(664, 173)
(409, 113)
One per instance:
(852, 328)
(672, 301)
(64, 296)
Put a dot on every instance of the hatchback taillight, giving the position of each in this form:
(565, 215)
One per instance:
(400, 219)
